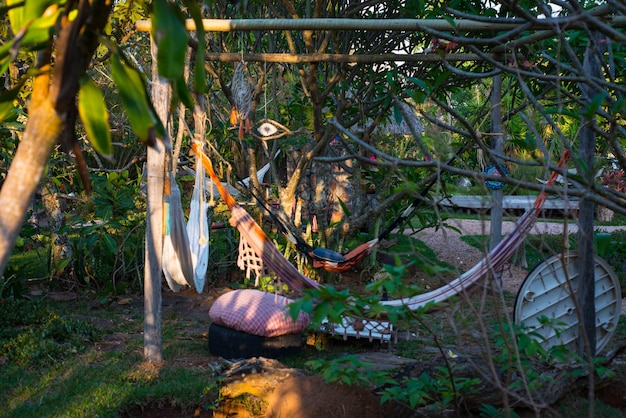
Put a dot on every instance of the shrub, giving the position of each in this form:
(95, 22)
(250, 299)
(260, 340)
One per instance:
(108, 237)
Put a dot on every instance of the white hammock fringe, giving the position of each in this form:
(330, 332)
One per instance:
(249, 261)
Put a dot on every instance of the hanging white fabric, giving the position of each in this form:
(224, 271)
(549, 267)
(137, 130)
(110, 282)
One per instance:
(177, 262)
(198, 229)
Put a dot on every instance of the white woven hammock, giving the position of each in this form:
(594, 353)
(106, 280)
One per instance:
(186, 248)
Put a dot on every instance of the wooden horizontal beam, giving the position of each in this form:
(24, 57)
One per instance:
(508, 202)
(342, 58)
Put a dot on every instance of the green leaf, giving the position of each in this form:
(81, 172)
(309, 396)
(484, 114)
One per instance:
(344, 207)
(16, 14)
(321, 312)
(34, 9)
(110, 243)
(7, 97)
(422, 92)
(94, 115)
(168, 29)
(62, 264)
(181, 92)
(199, 71)
(397, 114)
(7, 112)
(141, 116)
(32, 21)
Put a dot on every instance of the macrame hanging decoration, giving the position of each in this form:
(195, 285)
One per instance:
(250, 262)
(242, 99)
(267, 129)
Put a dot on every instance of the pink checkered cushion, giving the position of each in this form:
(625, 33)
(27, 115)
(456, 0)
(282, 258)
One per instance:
(257, 313)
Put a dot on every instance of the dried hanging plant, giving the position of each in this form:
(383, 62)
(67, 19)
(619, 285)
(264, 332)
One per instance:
(242, 99)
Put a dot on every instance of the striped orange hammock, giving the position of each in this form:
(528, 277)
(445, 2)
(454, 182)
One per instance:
(276, 261)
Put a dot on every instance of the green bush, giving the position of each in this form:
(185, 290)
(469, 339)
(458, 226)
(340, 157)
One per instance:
(108, 236)
(439, 380)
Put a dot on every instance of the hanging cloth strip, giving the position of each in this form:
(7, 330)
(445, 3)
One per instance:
(198, 229)
(177, 263)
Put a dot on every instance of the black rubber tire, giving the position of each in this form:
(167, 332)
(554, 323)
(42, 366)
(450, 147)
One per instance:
(231, 344)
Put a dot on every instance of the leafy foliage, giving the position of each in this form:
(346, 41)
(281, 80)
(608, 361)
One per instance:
(108, 244)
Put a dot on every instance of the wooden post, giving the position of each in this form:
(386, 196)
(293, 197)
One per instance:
(153, 345)
(498, 147)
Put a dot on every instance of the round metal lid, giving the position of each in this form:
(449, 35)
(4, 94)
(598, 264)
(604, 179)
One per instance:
(547, 292)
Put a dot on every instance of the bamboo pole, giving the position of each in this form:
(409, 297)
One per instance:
(247, 25)
(409, 25)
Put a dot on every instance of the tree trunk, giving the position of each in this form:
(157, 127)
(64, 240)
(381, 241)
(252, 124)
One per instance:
(53, 94)
(42, 130)
(585, 296)
(152, 338)
(498, 147)
(586, 291)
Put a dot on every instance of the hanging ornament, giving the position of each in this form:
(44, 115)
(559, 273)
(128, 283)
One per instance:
(242, 99)
(492, 170)
(267, 129)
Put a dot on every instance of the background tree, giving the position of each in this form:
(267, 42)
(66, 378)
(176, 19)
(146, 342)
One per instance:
(358, 80)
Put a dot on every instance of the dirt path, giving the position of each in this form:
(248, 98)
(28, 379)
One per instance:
(450, 248)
